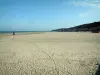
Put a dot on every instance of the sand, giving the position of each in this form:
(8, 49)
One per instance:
(50, 53)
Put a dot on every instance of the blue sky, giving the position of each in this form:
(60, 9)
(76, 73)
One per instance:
(41, 15)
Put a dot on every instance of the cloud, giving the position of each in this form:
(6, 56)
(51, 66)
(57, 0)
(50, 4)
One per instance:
(94, 7)
(90, 15)
(84, 14)
(90, 12)
(90, 3)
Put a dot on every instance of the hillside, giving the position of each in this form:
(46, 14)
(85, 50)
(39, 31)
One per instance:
(95, 26)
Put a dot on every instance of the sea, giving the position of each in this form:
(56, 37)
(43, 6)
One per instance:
(21, 31)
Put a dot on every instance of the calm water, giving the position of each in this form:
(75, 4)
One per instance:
(20, 31)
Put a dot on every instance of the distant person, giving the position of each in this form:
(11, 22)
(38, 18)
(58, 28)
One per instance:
(13, 35)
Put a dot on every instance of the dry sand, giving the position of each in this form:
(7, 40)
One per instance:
(50, 53)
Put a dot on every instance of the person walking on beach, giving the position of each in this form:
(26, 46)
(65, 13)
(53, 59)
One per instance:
(13, 35)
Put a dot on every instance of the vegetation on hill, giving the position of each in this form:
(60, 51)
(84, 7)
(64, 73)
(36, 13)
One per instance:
(95, 26)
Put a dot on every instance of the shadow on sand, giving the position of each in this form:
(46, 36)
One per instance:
(98, 71)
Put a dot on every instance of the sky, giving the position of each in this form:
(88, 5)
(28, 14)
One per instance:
(44, 15)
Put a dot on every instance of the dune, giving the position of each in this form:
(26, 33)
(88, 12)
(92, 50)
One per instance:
(50, 53)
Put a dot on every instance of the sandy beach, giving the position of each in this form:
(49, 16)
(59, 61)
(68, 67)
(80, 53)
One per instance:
(50, 53)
